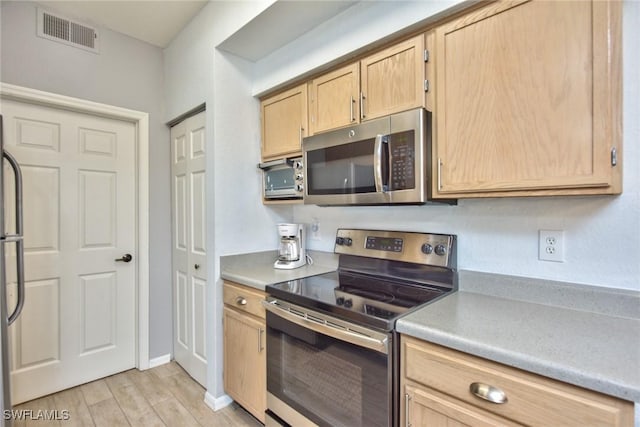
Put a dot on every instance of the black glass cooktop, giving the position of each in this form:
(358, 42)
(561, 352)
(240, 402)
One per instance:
(361, 298)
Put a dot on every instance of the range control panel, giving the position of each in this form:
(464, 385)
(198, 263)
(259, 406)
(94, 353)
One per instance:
(421, 248)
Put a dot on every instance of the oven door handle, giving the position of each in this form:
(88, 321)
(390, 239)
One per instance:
(318, 324)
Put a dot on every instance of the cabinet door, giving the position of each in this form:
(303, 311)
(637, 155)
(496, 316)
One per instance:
(245, 362)
(284, 123)
(393, 80)
(528, 98)
(428, 408)
(333, 99)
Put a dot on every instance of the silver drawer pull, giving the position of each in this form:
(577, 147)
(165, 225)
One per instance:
(241, 301)
(489, 393)
(407, 418)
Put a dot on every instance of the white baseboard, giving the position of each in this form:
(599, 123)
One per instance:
(217, 403)
(157, 361)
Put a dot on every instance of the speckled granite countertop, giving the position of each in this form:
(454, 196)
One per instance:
(583, 335)
(256, 269)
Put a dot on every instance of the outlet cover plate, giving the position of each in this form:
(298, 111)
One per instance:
(551, 245)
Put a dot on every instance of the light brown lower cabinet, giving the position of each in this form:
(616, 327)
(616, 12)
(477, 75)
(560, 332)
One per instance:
(245, 355)
(437, 384)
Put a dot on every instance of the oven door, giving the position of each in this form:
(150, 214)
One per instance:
(319, 372)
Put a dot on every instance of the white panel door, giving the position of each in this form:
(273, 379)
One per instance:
(78, 322)
(189, 245)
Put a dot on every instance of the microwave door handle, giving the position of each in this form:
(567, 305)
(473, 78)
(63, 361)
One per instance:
(380, 182)
(377, 164)
(18, 237)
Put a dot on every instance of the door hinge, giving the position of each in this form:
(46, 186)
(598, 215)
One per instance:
(614, 156)
(426, 55)
(426, 85)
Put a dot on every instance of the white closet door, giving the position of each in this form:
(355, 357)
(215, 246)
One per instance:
(79, 318)
(189, 245)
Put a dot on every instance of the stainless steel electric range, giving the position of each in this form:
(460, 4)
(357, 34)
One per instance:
(332, 352)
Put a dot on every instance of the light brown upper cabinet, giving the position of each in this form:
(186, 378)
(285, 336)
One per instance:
(284, 123)
(392, 80)
(333, 99)
(528, 100)
(389, 81)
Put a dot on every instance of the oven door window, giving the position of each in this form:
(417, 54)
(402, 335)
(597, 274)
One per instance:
(279, 179)
(331, 382)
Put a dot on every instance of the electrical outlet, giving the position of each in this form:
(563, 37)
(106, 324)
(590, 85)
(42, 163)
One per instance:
(551, 245)
(315, 229)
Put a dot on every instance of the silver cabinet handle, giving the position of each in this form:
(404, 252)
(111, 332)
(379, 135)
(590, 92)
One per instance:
(351, 116)
(241, 301)
(488, 392)
(301, 130)
(125, 258)
(407, 399)
(260, 332)
(362, 97)
(18, 236)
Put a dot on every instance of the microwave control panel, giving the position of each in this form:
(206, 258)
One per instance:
(402, 161)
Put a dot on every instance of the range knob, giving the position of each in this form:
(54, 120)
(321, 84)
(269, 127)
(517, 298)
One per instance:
(441, 250)
(297, 164)
(426, 249)
(339, 241)
(299, 187)
(348, 241)
(348, 303)
(340, 300)
(299, 177)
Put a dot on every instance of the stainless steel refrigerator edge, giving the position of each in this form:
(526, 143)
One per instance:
(5, 318)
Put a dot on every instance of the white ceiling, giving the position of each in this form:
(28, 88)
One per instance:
(154, 21)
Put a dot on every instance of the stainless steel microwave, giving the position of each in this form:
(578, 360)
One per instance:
(282, 179)
(381, 161)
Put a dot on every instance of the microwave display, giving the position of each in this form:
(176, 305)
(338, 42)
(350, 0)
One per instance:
(402, 161)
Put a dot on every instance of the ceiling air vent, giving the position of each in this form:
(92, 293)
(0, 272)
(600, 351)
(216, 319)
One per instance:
(58, 28)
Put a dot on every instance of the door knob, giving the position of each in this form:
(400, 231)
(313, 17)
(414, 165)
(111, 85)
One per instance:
(125, 258)
(196, 266)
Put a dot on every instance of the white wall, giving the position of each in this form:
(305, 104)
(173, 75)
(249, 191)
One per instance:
(195, 72)
(127, 73)
(602, 234)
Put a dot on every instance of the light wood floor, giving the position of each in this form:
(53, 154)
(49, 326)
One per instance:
(162, 396)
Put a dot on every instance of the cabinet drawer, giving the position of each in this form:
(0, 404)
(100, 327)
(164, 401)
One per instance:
(530, 399)
(244, 299)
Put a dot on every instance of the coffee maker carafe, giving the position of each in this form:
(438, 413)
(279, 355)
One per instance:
(291, 253)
